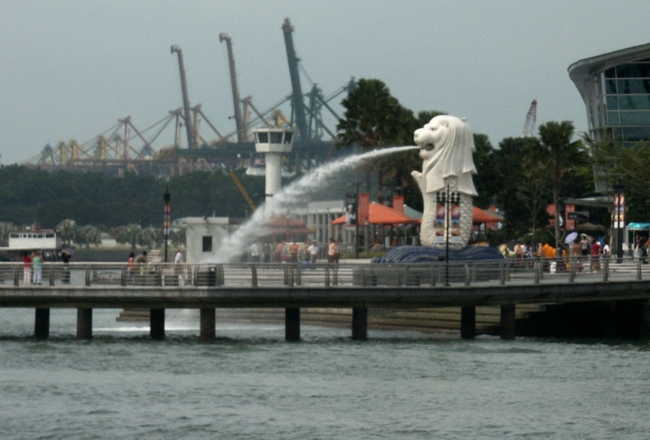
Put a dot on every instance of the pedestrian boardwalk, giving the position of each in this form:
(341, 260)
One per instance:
(358, 286)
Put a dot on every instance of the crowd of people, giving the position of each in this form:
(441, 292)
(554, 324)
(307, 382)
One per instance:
(307, 253)
(582, 248)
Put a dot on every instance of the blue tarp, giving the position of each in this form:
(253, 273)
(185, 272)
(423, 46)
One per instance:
(638, 226)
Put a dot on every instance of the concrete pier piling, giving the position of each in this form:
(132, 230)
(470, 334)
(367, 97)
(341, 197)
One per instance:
(292, 324)
(42, 323)
(508, 330)
(359, 323)
(208, 325)
(84, 323)
(468, 322)
(157, 324)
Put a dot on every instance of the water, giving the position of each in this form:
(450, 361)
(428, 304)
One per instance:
(250, 384)
(293, 195)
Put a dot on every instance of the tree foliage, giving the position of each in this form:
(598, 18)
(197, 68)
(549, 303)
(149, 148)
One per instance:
(29, 196)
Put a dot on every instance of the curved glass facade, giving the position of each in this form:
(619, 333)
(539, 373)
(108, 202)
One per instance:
(616, 90)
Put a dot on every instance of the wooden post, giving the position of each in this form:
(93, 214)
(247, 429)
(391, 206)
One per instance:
(359, 323)
(157, 324)
(208, 322)
(468, 322)
(292, 324)
(42, 323)
(84, 323)
(508, 329)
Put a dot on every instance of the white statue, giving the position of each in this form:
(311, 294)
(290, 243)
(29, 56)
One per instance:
(446, 145)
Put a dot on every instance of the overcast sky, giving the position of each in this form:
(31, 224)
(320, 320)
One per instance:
(71, 69)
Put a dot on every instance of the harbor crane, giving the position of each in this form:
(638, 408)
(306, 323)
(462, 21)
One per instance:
(241, 135)
(191, 139)
(296, 94)
(531, 117)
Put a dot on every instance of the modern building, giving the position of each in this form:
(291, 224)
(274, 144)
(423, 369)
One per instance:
(616, 90)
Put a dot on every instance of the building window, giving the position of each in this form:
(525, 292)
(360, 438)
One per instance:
(207, 243)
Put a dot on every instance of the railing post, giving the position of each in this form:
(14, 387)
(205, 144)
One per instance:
(159, 275)
(253, 275)
(327, 276)
(88, 270)
(123, 276)
(220, 275)
(638, 269)
(572, 273)
(16, 275)
(502, 273)
(432, 268)
(51, 274)
(508, 264)
(605, 268)
(536, 270)
(468, 274)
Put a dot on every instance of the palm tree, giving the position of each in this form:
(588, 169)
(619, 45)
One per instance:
(373, 119)
(562, 155)
(68, 230)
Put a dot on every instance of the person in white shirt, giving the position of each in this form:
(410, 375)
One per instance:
(255, 252)
(313, 252)
(178, 266)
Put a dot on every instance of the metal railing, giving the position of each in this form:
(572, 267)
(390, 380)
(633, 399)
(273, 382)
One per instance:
(253, 275)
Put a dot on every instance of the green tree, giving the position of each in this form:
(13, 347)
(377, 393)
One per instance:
(562, 155)
(67, 230)
(373, 119)
(129, 234)
(88, 235)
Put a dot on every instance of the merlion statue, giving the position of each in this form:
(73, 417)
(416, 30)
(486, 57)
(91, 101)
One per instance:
(446, 145)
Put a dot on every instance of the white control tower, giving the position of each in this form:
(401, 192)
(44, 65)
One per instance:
(273, 142)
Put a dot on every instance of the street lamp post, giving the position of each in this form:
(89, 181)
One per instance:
(619, 207)
(167, 199)
(447, 199)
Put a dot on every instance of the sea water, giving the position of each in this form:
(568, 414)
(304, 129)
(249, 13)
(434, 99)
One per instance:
(251, 384)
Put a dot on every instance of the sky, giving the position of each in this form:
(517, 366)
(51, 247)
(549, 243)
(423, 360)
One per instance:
(71, 69)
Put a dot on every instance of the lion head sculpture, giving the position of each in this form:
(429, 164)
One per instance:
(446, 145)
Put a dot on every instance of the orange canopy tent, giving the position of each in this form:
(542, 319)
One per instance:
(380, 215)
(482, 216)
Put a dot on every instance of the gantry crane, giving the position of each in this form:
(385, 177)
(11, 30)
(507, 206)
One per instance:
(241, 136)
(191, 139)
(531, 117)
(296, 94)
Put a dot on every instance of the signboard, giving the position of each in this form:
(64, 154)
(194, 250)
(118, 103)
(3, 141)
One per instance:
(578, 215)
(619, 210)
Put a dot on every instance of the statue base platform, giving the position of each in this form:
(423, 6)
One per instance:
(423, 254)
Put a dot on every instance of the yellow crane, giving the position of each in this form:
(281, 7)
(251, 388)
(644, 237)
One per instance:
(243, 190)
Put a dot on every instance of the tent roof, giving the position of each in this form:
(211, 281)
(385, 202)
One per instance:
(413, 213)
(482, 216)
(638, 226)
(380, 215)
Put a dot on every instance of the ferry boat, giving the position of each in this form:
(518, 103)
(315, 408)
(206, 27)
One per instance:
(27, 241)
